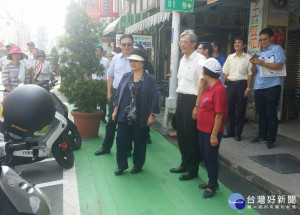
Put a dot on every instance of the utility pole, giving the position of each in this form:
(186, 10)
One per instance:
(171, 100)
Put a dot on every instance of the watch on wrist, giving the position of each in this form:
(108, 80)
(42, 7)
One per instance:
(248, 89)
(197, 106)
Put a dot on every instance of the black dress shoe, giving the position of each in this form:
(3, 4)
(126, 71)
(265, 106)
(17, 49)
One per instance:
(228, 135)
(119, 171)
(135, 170)
(101, 151)
(238, 137)
(179, 169)
(208, 193)
(270, 144)
(188, 176)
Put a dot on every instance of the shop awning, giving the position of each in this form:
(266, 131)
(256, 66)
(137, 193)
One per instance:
(111, 27)
(148, 22)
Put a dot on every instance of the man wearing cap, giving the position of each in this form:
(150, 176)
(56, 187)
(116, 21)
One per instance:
(210, 122)
(238, 76)
(118, 67)
(189, 77)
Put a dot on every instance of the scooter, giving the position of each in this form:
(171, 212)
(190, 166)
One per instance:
(17, 196)
(40, 146)
(53, 138)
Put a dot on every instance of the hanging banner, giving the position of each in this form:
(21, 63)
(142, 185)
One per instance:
(107, 8)
(255, 26)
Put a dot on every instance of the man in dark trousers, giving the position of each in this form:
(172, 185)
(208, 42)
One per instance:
(189, 77)
(118, 67)
(269, 68)
(238, 76)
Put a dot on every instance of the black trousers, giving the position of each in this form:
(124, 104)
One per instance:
(110, 126)
(266, 101)
(237, 104)
(125, 134)
(187, 133)
(210, 155)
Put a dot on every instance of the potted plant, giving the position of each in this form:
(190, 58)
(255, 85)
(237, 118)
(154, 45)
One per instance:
(77, 63)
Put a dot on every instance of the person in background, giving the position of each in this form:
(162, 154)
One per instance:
(15, 72)
(267, 89)
(4, 60)
(30, 46)
(105, 62)
(206, 49)
(118, 67)
(135, 105)
(216, 52)
(43, 70)
(210, 122)
(238, 76)
(111, 55)
(189, 77)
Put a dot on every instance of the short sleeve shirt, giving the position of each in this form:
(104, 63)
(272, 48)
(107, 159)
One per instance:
(189, 74)
(118, 67)
(213, 101)
(237, 68)
(277, 53)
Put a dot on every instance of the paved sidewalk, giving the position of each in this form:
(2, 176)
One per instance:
(236, 154)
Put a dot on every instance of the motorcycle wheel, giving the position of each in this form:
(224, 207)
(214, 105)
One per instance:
(63, 154)
(75, 138)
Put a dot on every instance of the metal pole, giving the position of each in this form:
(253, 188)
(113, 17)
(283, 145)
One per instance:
(171, 100)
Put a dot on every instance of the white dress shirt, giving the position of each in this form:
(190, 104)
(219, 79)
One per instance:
(189, 74)
(237, 68)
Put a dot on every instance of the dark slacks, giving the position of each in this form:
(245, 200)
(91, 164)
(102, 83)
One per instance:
(110, 126)
(187, 133)
(125, 134)
(237, 104)
(266, 101)
(210, 155)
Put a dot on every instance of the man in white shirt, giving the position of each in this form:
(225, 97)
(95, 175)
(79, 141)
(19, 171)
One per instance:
(104, 61)
(238, 76)
(189, 77)
(118, 67)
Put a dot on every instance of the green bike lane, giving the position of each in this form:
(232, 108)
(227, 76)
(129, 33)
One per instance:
(153, 191)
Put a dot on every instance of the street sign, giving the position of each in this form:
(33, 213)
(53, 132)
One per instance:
(180, 5)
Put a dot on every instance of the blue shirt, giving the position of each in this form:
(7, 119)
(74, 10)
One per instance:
(118, 67)
(221, 60)
(266, 82)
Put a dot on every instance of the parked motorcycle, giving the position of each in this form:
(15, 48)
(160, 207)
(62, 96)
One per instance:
(49, 84)
(18, 196)
(30, 115)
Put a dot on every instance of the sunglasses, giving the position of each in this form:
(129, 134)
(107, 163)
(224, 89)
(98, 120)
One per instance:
(126, 44)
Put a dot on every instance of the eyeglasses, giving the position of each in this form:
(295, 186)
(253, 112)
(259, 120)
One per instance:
(126, 44)
(184, 42)
(264, 39)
